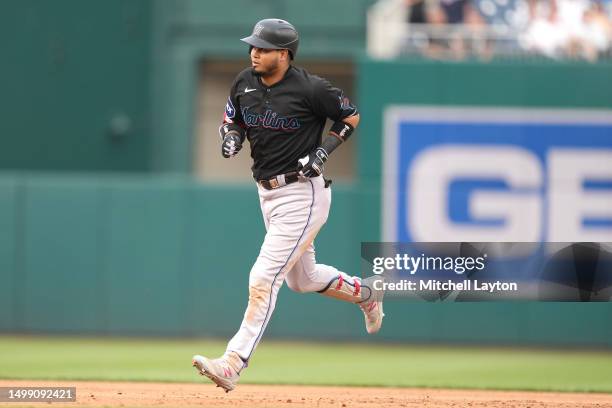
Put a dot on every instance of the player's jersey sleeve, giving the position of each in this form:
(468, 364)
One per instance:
(232, 117)
(330, 102)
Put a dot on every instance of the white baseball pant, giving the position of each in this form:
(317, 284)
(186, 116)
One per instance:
(293, 216)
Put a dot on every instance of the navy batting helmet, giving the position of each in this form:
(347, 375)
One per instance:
(275, 34)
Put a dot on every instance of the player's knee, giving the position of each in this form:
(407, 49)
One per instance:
(295, 286)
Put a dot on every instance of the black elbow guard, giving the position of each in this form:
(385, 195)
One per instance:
(341, 130)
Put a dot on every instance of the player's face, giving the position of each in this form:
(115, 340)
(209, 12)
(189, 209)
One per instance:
(265, 61)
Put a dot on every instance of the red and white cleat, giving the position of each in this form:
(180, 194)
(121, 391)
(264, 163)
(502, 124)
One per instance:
(219, 370)
(373, 312)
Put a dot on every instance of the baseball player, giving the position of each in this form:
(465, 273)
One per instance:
(281, 109)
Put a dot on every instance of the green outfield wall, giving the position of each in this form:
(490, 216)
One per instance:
(138, 255)
(132, 254)
(75, 85)
(110, 86)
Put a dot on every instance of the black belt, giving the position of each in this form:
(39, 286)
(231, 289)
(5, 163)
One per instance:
(279, 181)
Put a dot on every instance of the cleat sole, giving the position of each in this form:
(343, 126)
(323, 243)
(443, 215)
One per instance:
(218, 381)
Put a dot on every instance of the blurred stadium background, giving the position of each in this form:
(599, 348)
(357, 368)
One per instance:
(112, 188)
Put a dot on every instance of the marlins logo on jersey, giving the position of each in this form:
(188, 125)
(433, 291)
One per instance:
(230, 111)
(345, 105)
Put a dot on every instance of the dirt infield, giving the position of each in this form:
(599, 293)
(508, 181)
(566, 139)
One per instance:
(125, 394)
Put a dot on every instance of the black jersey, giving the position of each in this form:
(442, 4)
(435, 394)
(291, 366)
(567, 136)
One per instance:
(283, 122)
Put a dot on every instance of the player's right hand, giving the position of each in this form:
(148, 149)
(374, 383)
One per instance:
(231, 145)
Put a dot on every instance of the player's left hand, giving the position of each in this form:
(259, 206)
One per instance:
(312, 165)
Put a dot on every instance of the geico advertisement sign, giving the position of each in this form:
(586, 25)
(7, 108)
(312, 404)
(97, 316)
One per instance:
(497, 175)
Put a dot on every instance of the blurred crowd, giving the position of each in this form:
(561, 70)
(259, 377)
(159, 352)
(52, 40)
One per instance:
(577, 29)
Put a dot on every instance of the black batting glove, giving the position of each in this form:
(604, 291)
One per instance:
(231, 145)
(312, 165)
